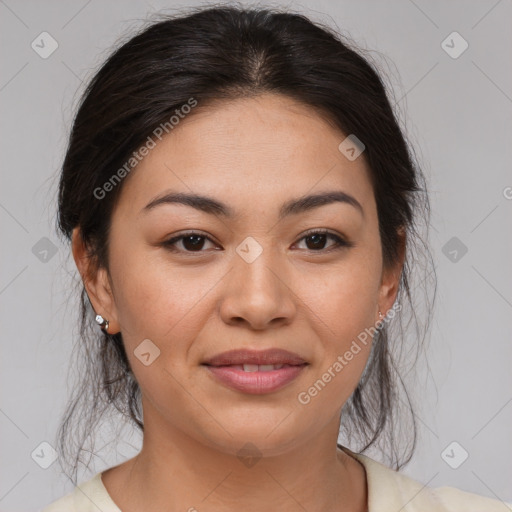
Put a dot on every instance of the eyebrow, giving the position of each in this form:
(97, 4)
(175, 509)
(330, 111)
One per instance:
(291, 207)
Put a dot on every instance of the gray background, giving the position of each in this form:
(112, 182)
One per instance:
(458, 113)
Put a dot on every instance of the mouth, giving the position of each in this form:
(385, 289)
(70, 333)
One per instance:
(250, 368)
(255, 372)
(256, 360)
(254, 379)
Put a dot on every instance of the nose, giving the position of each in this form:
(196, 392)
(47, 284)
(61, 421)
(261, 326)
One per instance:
(258, 294)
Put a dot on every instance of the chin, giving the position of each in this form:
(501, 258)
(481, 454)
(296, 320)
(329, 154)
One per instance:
(257, 436)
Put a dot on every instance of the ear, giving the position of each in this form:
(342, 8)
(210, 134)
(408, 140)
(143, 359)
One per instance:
(96, 282)
(390, 280)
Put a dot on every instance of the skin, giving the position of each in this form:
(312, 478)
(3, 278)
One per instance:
(252, 154)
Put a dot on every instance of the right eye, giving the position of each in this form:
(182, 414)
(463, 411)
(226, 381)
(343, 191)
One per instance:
(191, 242)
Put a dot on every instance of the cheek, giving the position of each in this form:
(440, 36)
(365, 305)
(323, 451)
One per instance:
(344, 299)
(164, 303)
(345, 337)
(152, 298)
(342, 311)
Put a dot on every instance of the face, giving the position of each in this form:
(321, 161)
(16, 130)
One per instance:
(250, 279)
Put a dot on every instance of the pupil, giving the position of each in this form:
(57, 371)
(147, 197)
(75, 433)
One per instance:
(315, 239)
(196, 244)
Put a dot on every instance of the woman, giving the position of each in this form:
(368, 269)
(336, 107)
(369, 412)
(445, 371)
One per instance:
(243, 210)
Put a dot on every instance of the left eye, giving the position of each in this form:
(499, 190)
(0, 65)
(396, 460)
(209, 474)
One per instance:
(318, 239)
(194, 242)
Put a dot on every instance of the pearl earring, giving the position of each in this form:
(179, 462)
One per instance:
(102, 322)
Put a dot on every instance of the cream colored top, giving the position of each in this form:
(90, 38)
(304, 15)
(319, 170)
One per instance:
(388, 491)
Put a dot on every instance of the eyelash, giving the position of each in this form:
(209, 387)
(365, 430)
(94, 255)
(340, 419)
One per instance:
(340, 243)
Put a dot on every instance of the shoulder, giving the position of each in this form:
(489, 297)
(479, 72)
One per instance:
(389, 490)
(455, 499)
(62, 504)
(89, 496)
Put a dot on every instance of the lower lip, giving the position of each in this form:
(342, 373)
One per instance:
(255, 383)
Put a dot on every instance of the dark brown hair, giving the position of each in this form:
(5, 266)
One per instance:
(218, 54)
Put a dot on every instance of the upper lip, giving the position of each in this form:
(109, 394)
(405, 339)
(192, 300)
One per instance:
(260, 357)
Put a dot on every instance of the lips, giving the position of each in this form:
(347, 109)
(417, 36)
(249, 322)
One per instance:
(257, 367)
(252, 360)
(256, 372)
(255, 382)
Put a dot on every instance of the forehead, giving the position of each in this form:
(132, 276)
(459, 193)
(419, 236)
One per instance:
(247, 151)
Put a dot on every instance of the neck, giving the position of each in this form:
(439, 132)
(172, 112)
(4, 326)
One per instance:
(173, 471)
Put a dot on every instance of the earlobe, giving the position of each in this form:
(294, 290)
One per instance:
(96, 284)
